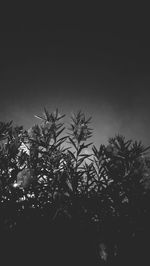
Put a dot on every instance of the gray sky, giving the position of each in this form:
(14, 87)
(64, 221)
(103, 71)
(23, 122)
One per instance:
(102, 71)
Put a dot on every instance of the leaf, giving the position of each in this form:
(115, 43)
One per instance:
(128, 143)
(69, 185)
(85, 155)
(72, 155)
(83, 146)
(39, 117)
(60, 131)
(73, 143)
(146, 149)
(61, 141)
(47, 115)
(80, 149)
(60, 117)
(81, 160)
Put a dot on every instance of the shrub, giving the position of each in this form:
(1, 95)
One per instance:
(47, 174)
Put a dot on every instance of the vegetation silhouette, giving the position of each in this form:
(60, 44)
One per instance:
(63, 200)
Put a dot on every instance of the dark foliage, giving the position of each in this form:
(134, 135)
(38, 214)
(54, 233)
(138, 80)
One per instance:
(62, 199)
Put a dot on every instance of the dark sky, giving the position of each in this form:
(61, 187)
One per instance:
(104, 71)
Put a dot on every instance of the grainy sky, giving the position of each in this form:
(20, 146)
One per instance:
(104, 71)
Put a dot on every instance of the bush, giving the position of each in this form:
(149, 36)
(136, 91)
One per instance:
(52, 179)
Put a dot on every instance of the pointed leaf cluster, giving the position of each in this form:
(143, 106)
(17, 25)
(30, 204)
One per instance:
(63, 175)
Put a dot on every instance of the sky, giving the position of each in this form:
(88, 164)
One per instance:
(103, 71)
